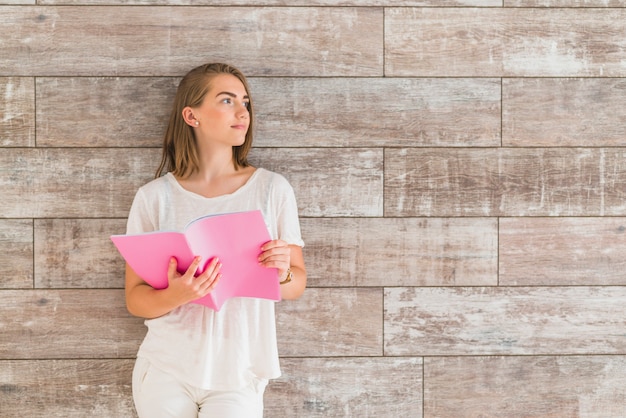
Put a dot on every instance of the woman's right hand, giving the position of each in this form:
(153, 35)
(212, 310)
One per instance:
(184, 288)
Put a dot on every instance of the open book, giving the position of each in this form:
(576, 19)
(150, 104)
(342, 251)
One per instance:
(235, 238)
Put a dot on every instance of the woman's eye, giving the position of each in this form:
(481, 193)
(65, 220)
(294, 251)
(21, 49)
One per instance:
(246, 105)
(227, 101)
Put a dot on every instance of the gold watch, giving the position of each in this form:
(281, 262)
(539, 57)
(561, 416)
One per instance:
(288, 277)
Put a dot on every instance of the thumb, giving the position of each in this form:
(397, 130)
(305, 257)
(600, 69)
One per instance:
(172, 268)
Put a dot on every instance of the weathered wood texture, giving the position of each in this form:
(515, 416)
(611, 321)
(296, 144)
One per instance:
(460, 171)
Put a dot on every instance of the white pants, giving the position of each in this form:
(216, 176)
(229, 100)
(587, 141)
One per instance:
(159, 395)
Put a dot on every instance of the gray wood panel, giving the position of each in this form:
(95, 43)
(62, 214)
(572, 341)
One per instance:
(78, 253)
(492, 42)
(331, 322)
(564, 112)
(567, 386)
(562, 251)
(258, 3)
(16, 247)
(564, 3)
(67, 324)
(505, 182)
(401, 251)
(66, 388)
(127, 40)
(494, 321)
(346, 387)
(17, 112)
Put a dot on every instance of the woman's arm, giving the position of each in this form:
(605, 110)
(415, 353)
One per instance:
(144, 301)
(282, 256)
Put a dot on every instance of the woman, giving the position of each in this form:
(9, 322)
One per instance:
(195, 362)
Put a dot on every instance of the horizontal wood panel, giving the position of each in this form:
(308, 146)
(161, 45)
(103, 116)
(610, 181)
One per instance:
(64, 324)
(127, 40)
(17, 112)
(505, 182)
(327, 182)
(562, 251)
(564, 112)
(66, 388)
(346, 387)
(573, 386)
(16, 247)
(353, 3)
(494, 321)
(401, 251)
(78, 253)
(492, 42)
(331, 322)
(564, 3)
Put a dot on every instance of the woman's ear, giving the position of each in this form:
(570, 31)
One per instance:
(189, 117)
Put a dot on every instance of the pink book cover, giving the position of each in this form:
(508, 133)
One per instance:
(235, 238)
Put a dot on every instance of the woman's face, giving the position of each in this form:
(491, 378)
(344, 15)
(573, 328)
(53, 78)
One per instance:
(223, 116)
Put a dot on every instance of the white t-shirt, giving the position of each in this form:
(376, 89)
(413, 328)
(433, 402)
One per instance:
(211, 350)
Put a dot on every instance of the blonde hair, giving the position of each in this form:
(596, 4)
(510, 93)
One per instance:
(180, 151)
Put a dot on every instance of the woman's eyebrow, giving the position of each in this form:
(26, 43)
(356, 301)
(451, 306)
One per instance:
(233, 95)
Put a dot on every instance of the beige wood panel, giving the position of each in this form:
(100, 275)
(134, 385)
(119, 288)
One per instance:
(17, 112)
(570, 386)
(78, 253)
(401, 251)
(562, 251)
(170, 40)
(66, 388)
(346, 387)
(329, 182)
(564, 3)
(331, 322)
(16, 247)
(494, 321)
(492, 42)
(67, 324)
(353, 3)
(72, 183)
(564, 112)
(377, 112)
(103, 112)
(505, 182)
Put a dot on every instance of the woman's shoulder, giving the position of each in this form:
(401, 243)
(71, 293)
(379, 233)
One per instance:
(272, 178)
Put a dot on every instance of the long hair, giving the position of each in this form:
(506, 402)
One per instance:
(180, 150)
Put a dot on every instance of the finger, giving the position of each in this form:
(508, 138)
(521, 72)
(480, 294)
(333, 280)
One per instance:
(277, 243)
(172, 271)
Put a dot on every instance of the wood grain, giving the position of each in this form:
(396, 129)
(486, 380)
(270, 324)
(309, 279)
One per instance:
(346, 387)
(401, 251)
(331, 322)
(66, 388)
(562, 251)
(78, 253)
(67, 324)
(537, 386)
(564, 112)
(496, 321)
(505, 182)
(16, 247)
(508, 42)
(130, 41)
(17, 112)
(260, 3)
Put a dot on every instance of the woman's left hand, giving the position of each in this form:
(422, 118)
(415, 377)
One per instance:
(276, 254)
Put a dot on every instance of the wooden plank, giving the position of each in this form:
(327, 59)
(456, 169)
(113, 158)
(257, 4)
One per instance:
(327, 182)
(17, 110)
(496, 321)
(505, 182)
(493, 42)
(401, 252)
(78, 253)
(564, 112)
(103, 112)
(331, 322)
(570, 386)
(563, 3)
(259, 3)
(562, 251)
(346, 387)
(66, 388)
(16, 247)
(72, 183)
(128, 40)
(67, 324)
(416, 112)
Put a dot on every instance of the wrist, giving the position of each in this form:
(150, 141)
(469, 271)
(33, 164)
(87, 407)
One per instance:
(287, 278)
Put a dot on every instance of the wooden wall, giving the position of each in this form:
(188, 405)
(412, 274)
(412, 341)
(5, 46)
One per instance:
(460, 168)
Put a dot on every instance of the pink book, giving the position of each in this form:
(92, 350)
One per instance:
(235, 238)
